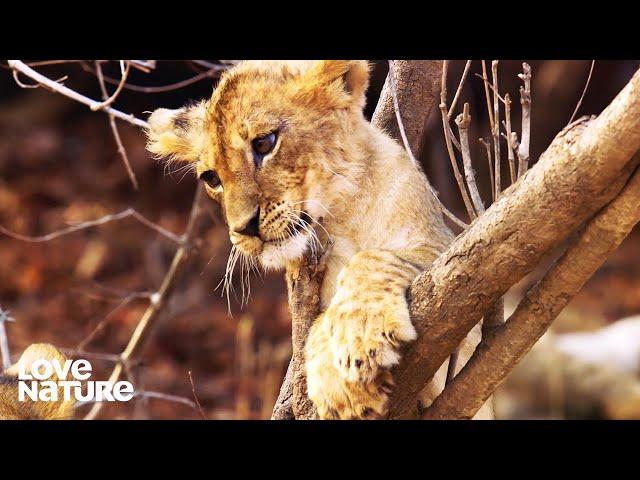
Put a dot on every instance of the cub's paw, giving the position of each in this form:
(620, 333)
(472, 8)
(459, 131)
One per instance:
(337, 399)
(364, 336)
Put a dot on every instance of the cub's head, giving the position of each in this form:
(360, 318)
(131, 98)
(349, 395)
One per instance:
(278, 145)
(11, 408)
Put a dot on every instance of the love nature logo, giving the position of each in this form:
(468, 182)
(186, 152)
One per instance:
(35, 383)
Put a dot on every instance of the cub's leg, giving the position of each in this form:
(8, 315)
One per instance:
(352, 345)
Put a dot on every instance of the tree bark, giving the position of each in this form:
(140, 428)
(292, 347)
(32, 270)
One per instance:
(417, 89)
(574, 177)
(498, 354)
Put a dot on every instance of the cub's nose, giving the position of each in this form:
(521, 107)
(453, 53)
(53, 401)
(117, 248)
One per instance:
(250, 227)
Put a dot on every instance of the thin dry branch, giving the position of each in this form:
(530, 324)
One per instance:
(509, 136)
(149, 394)
(5, 353)
(584, 92)
(144, 328)
(496, 129)
(487, 146)
(212, 72)
(112, 121)
(195, 397)
(498, 353)
(108, 101)
(485, 81)
(129, 212)
(525, 134)
(447, 135)
(103, 323)
(463, 121)
(19, 66)
(465, 73)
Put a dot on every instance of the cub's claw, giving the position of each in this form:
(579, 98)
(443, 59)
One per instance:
(365, 340)
(336, 399)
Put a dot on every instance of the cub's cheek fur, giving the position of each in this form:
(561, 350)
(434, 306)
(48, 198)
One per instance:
(13, 409)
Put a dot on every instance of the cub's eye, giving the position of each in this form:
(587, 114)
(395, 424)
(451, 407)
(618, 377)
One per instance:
(210, 178)
(263, 145)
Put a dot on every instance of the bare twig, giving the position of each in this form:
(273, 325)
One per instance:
(463, 121)
(51, 62)
(460, 85)
(5, 353)
(147, 394)
(112, 121)
(407, 147)
(143, 65)
(487, 146)
(447, 136)
(19, 66)
(485, 79)
(525, 134)
(102, 323)
(496, 129)
(129, 212)
(106, 357)
(491, 88)
(195, 397)
(110, 99)
(213, 72)
(144, 327)
(509, 138)
(584, 92)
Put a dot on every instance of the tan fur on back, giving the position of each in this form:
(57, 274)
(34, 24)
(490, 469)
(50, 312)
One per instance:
(331, 170)
(13, 409)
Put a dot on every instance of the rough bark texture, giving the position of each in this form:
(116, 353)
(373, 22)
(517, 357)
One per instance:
(497, 354)
(570, 182)
(417, 86)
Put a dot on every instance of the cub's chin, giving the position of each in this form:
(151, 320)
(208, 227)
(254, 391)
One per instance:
(276, 254)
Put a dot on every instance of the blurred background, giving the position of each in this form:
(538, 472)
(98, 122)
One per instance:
(59, 165)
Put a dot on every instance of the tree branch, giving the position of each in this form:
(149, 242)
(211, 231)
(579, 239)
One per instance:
(144, 328)
(18, 66)
(498, 353)
(575, 176)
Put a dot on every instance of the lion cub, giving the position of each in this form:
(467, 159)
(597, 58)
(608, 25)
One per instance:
(285, 149)
(13, 409)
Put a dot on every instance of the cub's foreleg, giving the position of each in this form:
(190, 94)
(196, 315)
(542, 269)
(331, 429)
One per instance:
(353, 344)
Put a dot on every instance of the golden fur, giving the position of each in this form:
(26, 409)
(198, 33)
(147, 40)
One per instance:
(330, 169)
(12, 409)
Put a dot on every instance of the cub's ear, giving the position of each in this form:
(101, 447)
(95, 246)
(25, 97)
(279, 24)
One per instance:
(350, 77)
(177, 134)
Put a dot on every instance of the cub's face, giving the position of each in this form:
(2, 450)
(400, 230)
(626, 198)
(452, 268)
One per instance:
(273, 146)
